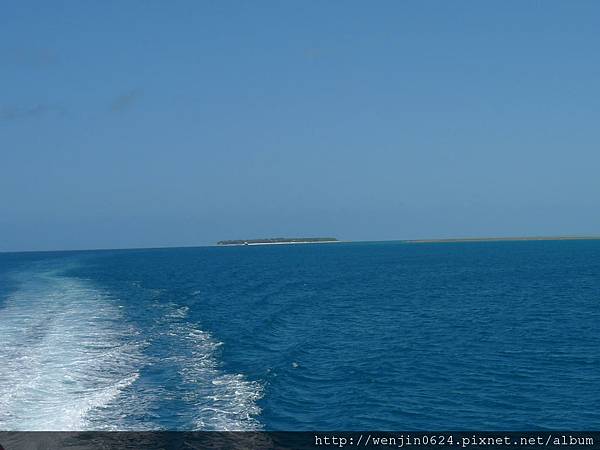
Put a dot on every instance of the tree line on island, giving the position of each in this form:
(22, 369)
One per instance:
(278, 240)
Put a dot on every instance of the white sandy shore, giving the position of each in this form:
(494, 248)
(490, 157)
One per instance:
(496, 239)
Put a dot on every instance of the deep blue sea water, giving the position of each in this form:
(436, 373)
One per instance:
(387, 335)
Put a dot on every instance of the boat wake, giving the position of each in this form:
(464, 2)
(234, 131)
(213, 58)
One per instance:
(71, 360)
(66, 354)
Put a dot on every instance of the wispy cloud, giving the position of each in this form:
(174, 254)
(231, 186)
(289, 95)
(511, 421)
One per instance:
(11, 113)
(126, 101)
(28, 57)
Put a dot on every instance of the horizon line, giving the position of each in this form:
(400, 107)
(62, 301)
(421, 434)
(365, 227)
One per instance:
(410, 241)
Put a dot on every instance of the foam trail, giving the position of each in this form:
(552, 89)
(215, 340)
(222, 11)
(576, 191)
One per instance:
(70, 362)
(217, 400)
(66, 353)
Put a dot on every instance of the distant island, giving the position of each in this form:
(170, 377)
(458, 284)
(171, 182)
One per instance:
(496, 239)
(279, 240)
(319, 240)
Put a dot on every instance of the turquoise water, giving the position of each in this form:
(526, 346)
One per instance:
(386, 335)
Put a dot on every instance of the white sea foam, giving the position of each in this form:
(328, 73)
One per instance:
(70, 361)
(65, 354)
(218, 400)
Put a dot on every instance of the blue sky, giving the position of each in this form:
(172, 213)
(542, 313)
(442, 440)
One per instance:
(133, 124)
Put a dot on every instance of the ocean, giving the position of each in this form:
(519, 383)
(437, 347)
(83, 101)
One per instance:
(345, 336)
